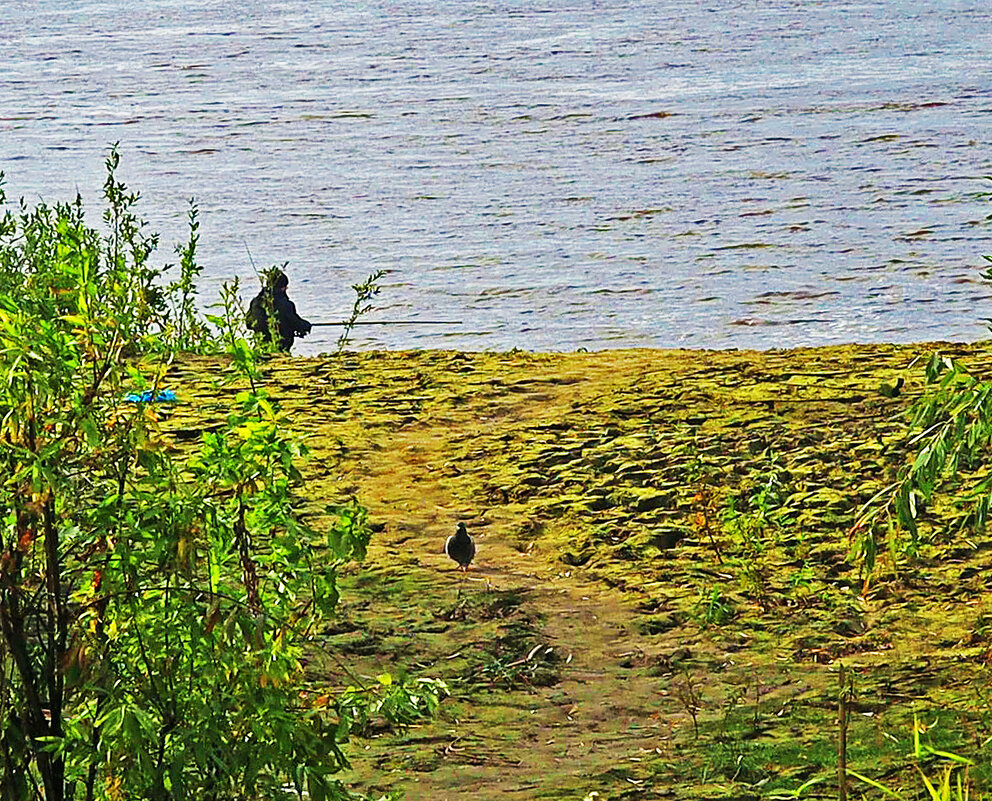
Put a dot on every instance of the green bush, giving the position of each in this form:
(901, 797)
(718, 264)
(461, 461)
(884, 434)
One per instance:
(155, 603)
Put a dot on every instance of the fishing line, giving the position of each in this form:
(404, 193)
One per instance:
(391, 322)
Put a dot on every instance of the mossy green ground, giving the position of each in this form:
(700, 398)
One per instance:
(619, 632)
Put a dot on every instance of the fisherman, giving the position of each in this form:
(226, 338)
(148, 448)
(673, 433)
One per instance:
(273, 296)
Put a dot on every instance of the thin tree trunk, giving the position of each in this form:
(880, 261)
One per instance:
(57, 641)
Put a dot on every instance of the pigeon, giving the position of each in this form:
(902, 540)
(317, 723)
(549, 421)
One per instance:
(459, 546)
(892, 390)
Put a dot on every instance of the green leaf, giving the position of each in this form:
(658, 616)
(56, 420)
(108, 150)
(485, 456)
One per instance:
(876, 785)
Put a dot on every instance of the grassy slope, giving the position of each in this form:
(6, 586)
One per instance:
(595, 486)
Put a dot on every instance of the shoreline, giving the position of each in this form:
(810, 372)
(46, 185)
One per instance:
(931, 344)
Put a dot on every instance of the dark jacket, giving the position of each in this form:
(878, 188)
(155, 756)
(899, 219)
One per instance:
(289, 323)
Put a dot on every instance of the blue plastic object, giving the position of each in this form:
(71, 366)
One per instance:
(165, 396)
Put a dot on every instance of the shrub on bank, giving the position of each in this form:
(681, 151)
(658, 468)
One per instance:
(155, 603)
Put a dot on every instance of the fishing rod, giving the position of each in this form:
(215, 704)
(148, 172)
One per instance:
(391, 322)
(251, 260)
(358, 322)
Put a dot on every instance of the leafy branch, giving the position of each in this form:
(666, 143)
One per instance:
(950, 432)
(364, 292)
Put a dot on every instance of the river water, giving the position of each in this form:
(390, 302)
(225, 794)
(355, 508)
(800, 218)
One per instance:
(551, 175)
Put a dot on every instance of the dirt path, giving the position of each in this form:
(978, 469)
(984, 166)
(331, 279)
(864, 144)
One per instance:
(532, 740)
(665, 582)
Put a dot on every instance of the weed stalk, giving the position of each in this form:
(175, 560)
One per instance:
(842, 734)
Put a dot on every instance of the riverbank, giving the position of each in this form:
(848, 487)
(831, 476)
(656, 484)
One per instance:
(663, 591)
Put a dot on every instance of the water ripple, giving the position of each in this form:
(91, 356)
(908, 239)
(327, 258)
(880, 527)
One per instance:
(594, 173)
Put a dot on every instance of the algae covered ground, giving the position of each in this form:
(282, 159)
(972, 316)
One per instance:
(664, 589)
